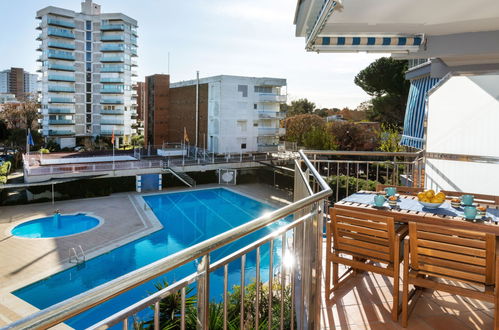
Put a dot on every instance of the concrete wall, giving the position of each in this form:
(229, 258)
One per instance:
(463, 118)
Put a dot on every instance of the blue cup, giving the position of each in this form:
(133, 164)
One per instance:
(379, 200)
(467, 199)
(390, 191)
(470, 212)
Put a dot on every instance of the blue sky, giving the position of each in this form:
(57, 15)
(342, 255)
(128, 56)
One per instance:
(251, 38)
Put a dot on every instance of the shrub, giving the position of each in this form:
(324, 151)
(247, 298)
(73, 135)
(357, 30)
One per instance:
(44, 151)
(341, 183)
(5, 168)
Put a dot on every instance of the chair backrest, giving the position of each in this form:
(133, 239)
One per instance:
(452, 253)
(400, 189)
(363, 234)
(479, 198)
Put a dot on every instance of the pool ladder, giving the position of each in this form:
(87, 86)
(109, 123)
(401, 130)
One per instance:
(76, 257)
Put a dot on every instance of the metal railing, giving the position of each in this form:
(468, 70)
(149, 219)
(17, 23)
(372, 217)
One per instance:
(302, 236)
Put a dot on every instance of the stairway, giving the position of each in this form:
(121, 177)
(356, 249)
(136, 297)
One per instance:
(182, 176)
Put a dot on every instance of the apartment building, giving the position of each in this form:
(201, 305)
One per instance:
(18, 82)
(234, 113)
(88, 62)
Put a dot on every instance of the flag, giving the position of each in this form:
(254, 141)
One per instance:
(186, 137)
(30, 138)
(112, 137)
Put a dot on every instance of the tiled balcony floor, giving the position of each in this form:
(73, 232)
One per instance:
(364, 302)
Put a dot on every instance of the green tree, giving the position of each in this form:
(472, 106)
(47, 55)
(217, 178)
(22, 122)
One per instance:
(300, 107)
(319, 139)
(21, 115)
(354, 136)
(384, 80)
(298, 126)
(389, 137)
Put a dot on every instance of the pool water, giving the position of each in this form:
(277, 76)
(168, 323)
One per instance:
(188, 218)
(55, 226)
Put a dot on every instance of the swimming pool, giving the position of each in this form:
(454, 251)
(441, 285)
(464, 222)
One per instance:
(55, 226)
(188, 218)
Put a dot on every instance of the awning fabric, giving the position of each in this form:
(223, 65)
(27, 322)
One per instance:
(413, 135)
(368, 43)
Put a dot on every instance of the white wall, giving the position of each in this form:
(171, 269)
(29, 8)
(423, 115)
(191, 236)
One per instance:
(463, 118)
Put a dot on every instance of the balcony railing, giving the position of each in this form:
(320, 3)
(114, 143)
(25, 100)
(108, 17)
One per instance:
(60, 132)
(274, 131)
(59, 54)
(61, 121)
(61, 67)
(112, 122)
(60, 33)
(111, 80)
(264, 97)
(112, 27)
(64, 89)
(112, 37)
(63, 45)
(112, 112)
(111, 89)
(112, 48)
(60, 110)
(113, 68)
(112, 59)
(263, 114)
(55, 77)
(110, 133)
(301, 240)
(61, 100)
(111, 101)
(59, 22)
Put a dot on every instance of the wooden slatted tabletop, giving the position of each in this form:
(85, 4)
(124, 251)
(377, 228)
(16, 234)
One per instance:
(402, 215)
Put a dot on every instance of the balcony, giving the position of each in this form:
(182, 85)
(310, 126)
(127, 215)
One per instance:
(263, 114)
(112, 112)
(109, 133)
(134, 115)
(271, 131)
(60, 132)
(106, 59)
(133, 41)
(113, 68)
(271, 98)
(112, 122)
(59, 22)
(60, 111)
(59, 89)
(112, 89)
(61, 121)
(60, 33)
(111, 80)
(112, 48)
(112, 27)
(62, 45)
(61, 100)
(111, 101)
(112, 37)
(133, 63)
(133, 52)
(61, 55)
(262, 147)
(60, 67)
(54, 77)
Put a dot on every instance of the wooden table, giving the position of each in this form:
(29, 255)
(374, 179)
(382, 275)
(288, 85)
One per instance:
(402, 215)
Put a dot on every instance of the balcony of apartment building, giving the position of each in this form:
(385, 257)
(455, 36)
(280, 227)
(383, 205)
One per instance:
(59, 99)
(113, 112)
(61, 132)
(60, 45)
(61, 23)
(112, 89)
(113, 68)
(56, 77)
(112, 59)
(111, 101)
(271, 131)
(110, 132)
(111, 80)
(133, 40)
(268, 114)
(62, 33)
(61, 89)
(112, 27)
(60, 55)
(56, 110)
(112, 48)
(61, 121)
(133, 51)
(112, 37)
(117, 122)
(60, 67)
(271, 98)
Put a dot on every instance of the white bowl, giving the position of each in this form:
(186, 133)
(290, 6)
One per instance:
(430, 206)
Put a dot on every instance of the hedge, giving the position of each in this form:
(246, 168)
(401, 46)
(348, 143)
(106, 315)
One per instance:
(342, 181)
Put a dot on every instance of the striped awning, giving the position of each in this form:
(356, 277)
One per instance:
(413, 135)
(368, 43)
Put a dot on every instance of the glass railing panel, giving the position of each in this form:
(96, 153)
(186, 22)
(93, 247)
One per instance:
(53, 77)
(65, 89)
(113, 37)
(57, 44)
(60, 33)
(53, 66)
(59, 22)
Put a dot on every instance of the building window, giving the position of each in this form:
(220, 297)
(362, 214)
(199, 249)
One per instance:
(89, 118)
(89, 87)
(88, 25)
(255, 124)
(89, 107)
(89, 66)
(243, 145)
(255, 106)
(89, 129)
(243, 89)
(89, 46)
(89, 35)
(88, 56)
(89, 97)
(89, 77)
(263, 89)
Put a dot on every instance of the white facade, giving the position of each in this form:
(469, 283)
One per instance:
(87, 73)
(243, 112)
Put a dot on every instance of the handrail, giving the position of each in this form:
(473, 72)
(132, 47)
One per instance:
(363, 153)
(75, 305)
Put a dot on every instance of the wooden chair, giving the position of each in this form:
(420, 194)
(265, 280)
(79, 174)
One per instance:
(479, 198)
(461, 256)
(364, 237)
(400, 189)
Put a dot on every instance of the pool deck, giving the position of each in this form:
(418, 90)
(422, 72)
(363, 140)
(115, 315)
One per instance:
(25, 260)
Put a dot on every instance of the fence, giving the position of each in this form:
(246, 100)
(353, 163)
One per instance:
(301, 239)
